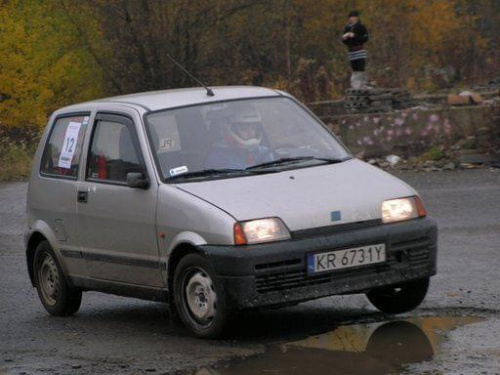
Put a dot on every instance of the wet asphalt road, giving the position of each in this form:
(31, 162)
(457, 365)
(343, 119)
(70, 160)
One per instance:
(119, 335)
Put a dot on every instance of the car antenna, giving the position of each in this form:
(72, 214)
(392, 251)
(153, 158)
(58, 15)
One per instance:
(209, 90)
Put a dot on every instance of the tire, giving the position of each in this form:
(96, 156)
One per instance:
(397, 299)
(57, 297)
(199, 299)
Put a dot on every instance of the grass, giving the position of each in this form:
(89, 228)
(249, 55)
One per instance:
(434, 153)
(15, 160)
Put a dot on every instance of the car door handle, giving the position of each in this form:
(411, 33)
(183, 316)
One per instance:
(82, 197)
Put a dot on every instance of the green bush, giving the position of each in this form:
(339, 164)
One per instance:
(434, 153)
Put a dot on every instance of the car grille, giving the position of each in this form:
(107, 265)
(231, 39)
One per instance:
(277, 276)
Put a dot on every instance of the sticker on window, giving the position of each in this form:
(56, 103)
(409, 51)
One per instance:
(168, 144)
(69, 145)
(178, 170)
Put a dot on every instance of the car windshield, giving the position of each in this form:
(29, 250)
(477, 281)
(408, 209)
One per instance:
(238, 137)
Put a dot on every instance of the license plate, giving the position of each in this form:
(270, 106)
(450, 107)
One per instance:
(346, 258)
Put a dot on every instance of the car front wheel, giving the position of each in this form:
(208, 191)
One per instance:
(199, 300)
(56, 295)
(396, 299)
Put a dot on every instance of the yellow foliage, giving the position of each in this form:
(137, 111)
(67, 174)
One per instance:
(43, 65)
(58, 52)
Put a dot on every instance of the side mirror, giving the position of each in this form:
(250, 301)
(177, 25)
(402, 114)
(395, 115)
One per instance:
(137, 180)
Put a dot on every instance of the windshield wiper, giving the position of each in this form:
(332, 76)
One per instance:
(213, 172)
(294, 160)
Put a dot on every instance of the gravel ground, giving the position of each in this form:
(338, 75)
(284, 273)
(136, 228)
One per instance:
(119, 335)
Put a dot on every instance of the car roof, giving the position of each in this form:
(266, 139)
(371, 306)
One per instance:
(165, 99)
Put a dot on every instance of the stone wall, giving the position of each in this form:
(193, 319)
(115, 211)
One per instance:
(413, 131)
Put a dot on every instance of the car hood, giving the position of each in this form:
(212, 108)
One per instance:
(305, 198)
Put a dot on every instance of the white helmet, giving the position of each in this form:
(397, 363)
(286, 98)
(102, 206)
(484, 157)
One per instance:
(246, 116)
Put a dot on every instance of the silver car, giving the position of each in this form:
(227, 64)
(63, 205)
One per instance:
(215, 204)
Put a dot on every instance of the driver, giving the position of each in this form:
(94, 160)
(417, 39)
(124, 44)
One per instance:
(241, 143)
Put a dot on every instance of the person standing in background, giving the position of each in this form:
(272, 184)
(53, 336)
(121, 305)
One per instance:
(354, 37)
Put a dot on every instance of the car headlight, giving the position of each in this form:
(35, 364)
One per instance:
(402, 209)
(261, 230)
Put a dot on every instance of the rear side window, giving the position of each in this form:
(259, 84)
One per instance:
(61, 156)
(112, 152)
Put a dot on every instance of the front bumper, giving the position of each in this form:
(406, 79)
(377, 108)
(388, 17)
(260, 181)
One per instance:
(275, 273)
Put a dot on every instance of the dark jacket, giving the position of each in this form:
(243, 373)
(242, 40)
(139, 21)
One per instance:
(360, 36)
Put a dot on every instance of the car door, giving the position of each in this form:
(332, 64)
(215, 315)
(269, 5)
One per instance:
(53, 191)
(117, 222)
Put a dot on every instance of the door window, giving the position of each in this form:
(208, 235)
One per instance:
(61, 156)
(112, 152)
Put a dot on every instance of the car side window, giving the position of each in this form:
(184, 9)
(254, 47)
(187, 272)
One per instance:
(112, 152)
(61, 156)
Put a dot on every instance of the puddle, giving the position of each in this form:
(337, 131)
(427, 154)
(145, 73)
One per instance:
(376, 348)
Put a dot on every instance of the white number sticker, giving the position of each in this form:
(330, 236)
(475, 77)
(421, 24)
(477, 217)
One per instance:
(69, 145)
(167, 144)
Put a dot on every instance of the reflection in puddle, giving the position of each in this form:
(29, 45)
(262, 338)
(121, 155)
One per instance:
(378, 348)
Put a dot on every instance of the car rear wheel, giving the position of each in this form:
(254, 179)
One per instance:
(199, 299)
(396, 299)
(57, 297)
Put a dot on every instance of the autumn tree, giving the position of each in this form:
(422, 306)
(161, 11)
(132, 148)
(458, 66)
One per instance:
(43, 64)
(137, 37)
(57, 52)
